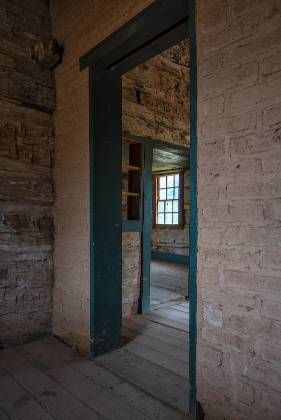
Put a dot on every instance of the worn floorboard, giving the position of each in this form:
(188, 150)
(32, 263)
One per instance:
(169, 276)
(146, 378)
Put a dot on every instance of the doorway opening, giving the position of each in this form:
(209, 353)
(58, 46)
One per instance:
(157, 28)
(170, 229)
(155, 217)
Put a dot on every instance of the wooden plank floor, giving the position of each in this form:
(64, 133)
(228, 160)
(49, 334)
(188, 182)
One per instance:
(146, 378)
(170, 276)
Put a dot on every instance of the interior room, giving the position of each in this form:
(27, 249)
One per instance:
(140, 202)
(170, 225)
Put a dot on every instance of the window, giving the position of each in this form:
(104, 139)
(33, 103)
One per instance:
(168, 199)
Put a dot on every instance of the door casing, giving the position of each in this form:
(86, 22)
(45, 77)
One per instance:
(158, 27)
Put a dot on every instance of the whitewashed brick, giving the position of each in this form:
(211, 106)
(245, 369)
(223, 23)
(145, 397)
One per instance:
(272, 211)
(271, 258)
(216, 19)
(213, 316)
(232, 212)
(244, 75)
(253, 46)
(214, 106)
(256, 143)
(245, 121)
(247, 280)
(247, 393)
(271, 115)
(272, 308)
(272, 64)
(212, 64)
(271, 353)
(253, 236)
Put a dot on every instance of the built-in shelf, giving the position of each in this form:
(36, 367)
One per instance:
(130, 194)
(127, 141)
(130, 168)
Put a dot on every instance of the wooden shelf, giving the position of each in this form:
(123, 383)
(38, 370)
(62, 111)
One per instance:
(127, 141)
(130, 194)
(130, 168)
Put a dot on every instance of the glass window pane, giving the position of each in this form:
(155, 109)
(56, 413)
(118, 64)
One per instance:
(163, 181)
(176, 195)
(168, 218)
(170, 193)
(160, 206)
(175, 218)
(168, 206)
(170, 181)
(162, 194)
(160, 219)
(175, 206)
(177, 180)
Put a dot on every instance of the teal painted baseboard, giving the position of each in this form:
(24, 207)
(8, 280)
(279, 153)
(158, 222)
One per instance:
(165, 256)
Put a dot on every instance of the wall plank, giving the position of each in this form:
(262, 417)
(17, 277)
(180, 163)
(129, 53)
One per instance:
(26, 185)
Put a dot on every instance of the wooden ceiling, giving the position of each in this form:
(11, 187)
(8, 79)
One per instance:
(167, 159)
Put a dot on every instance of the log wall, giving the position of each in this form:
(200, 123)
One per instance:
(156, 98)
(27, 98)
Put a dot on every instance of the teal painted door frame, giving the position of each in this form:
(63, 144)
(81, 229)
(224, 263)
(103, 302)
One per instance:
(147, 227)
(105, 145)
(192, 280)
(120, 52)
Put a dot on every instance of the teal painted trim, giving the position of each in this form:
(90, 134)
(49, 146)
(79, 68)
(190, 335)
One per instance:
(105, 211)
(154, 142)
(147, 227)
(132, 226)
(173, 258)
(144, 28)
(168, 39)
(106, 50)
(91, 175)
(192, 286)
(170, 171)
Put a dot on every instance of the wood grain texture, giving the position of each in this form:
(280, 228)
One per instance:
(156, 98)
(27, 98)
(146, 379)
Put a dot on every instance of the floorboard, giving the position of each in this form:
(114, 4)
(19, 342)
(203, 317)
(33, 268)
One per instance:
(145, 379)
(145, 327)
(169, 276)
(16, 403)
(154, 379)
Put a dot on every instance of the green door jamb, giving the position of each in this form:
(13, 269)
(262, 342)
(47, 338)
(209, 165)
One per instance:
(147, 224)
(105, 209)
(192, 287)
(133, 36)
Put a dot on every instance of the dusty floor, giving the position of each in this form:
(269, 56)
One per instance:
(170, 277)
(146, 378)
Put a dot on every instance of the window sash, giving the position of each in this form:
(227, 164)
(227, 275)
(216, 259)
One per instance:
(168, 200)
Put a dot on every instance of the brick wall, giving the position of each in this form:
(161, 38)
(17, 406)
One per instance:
(239, 209)
(238, 194)
(26, 187)
(79, 29)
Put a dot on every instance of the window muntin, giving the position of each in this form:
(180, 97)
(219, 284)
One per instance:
(167, 199)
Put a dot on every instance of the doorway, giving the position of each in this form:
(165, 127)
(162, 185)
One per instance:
(170, 225)
(160, 26)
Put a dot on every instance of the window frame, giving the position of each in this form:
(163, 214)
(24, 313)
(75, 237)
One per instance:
(156, 178)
